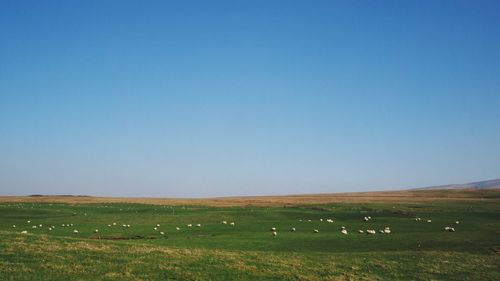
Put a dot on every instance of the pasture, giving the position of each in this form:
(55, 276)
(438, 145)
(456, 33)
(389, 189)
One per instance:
(106, 248)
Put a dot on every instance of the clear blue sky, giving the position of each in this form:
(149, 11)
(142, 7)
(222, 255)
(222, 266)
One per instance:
(214, 98)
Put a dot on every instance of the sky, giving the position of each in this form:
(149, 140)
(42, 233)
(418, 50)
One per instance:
(220, 98)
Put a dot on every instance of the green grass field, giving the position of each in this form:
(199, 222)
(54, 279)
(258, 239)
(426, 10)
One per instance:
(415, 250)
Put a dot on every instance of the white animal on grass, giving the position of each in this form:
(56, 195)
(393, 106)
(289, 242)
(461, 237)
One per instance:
(96, 231)
(232, 223)
(293, 228)
(316, 231)
(157, 225)
(275, 233)
(429, 221)
(162, 233)
(344, 231)
(224, 222)
(320, 219)
(273, 228)
(28, 221)
(361, 231)
(178, 228)
(370, 231)
(156, 228)
(189, 225)
(75, 231)
(24, 232)
(114, 223)
(33, 226)
(198, 225)
(457, 222)
(109, 225)
(13, 226)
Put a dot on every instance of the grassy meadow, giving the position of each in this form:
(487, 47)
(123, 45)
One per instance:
(414, 250)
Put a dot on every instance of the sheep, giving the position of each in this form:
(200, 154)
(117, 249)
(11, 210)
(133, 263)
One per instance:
(13, 226)
(273, 228)
(381, 231)
(33, 226)
(128, 225)
(189, 225)
(70, 224)
(370, 231)
(24, 232)
(96, 230)
(157, 225)
(109, 225)
(224, 222)
(361, 231)
(329, 220)
(63, 225)
(275, 233)
(316, 231)
(124, 225)
(457, 222)
(198, 225)
(75, 231)
(178, 228)
(293, 228)
(451, 229)
(342, 227)
(155, 228)
(40, 225)
(387, 231)
(308, 220)
(429, 221)
(28, 221)
(50, 228)
(418, 219)
(320, 219)
(232, 223)
(162, 233)
(366, 218)
(344, 231)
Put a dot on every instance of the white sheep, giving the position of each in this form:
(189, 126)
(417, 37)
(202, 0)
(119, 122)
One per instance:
(155, 228)
(293, 228)
(320, 219)
(33, 226)
(224, 222)
(24, 232)
(50, 228)
(344, 231)
(75, 231)
(457, 222)
(316, 231)
(178, 228)
(232, 223)
(198, 225)
(157, 225)
(13, 226)
(275, 233)
(162, 233)
(28, 221)
(109, 225)
(361, 231)
(370, 231)
(429, 221)
(96, 230)
(189, 225)
(273, 228)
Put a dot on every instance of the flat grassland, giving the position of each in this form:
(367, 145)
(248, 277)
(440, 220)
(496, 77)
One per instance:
(415, 250)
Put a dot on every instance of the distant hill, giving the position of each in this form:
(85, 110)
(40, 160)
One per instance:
(489, 184)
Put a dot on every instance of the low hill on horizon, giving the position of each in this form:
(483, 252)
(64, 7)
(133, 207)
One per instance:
(487, 184)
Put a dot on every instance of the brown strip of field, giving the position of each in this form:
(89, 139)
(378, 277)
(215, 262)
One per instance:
(406, 196)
